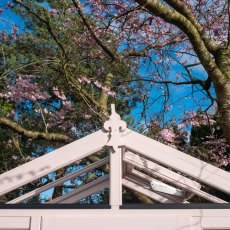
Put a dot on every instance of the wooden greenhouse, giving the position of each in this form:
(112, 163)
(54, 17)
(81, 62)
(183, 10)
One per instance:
(164, 174)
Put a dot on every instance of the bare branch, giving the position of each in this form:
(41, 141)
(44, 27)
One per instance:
(186, 12)
(33, 134)
(173, 17)
(46, 22)
(112, 55)
(155, 46)
(192, 65)
(192, 82)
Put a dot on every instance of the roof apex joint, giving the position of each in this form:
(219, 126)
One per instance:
(115, 126)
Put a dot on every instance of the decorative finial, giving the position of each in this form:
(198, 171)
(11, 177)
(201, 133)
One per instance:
(113, 110)
(115, 126)
(114, 115)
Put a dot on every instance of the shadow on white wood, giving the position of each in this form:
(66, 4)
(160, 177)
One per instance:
(135, 162)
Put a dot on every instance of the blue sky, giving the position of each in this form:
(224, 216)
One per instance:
(181, 97)
(8, 18)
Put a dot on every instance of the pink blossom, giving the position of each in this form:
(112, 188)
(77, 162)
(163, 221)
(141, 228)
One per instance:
(87, 116)
(25, 88)
(11, 114)
(169, 107)
(58, 93)
(167, 135)
(98, 84)
(112, 93)
(14, 31)
(155, 123)
(105, 89)
(67, 105)
(14, 157)
(71, 10)
(80, 80)
(54, 11)
(180, 126)
(197, 119)
(83, 79)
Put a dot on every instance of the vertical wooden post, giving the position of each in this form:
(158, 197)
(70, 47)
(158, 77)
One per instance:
(115, 194)
(35, 223)
(115, 126)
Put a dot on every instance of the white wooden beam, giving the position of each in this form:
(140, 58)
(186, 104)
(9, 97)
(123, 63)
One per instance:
(51, 162)
(83, 191)
(115, 191)
(169, 176)
(144, 180)
(14, 223)
(218, 222)
(157, 170)
(177, 160)
(141, 187)
(88, 192)
(35, 223)
(148, 179)
(115, 126)
(59, 181)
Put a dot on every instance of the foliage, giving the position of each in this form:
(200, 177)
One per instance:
(167, 59)
(207, 143)
(53, 77)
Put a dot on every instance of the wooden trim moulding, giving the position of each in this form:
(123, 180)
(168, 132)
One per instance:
(177, 206)
(55, 206)
(124, 206)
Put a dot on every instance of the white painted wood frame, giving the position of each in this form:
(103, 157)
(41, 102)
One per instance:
(177, 160)
(83, 191)
(60, 181)
(51, 162)
(169, 176)
(135, 160)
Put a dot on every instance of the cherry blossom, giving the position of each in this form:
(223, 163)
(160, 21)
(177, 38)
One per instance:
(54, 11)
(25, 88)
(168, 135)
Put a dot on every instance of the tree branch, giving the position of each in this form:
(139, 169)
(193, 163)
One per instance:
(103, 100)
(89, 100)
(192, 82)
(33, 134)
(107, 50)
(155, 46)
(228, 23)
(173, 17)
(180, 6)
(46, 22)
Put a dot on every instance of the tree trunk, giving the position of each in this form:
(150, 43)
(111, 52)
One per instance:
(58, 189)
(222, 89)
